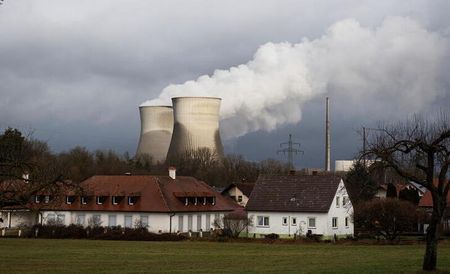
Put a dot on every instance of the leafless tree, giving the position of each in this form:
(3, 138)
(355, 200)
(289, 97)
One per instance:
(419, 150)
(234, 223)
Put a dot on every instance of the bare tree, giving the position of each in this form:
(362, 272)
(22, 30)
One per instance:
(234, 223)
(386, 217)
(419, 150)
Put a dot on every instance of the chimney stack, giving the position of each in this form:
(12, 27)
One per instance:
(327, 137)
(172, 172)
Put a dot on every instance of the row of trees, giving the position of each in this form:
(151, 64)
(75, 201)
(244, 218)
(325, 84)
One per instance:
(25, 159)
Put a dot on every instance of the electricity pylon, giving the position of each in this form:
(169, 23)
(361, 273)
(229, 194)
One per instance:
(290, 150)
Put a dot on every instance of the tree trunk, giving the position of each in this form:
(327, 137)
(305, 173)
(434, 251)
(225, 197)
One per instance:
(430, 258)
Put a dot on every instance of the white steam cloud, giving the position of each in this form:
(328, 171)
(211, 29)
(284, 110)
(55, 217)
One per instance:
(397, 63)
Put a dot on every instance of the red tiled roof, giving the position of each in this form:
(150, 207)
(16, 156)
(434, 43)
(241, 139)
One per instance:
(427, 201)
(293, 193)
(155, 194)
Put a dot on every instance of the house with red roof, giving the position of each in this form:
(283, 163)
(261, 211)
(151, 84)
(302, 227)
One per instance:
(426, 203)
(300, 205)
(160, 203)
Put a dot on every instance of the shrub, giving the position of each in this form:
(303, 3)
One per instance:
(272, 236)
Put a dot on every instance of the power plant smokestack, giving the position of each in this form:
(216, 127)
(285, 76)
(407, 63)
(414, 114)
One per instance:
(156, 131)
(327, 137)
(196, 126)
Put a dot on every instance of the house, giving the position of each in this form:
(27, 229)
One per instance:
(160, 203)
(240, 192)
(426, 203)
(300, 205)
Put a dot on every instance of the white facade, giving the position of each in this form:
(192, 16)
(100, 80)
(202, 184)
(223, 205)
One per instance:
(238, 196)
(155, 222)
(337, 221)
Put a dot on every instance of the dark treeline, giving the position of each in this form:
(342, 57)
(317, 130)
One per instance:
(77, 164)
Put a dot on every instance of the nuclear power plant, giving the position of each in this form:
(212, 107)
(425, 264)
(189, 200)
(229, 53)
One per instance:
(156, 131)
(193, 124)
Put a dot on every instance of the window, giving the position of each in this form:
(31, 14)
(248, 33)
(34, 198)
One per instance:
(208, 222)
(96, 220)
(189, 222)
(294, 221)
(199, 222)
(263, 220)
(47, 199)
(115, 200)
(337, 201)
(51, 217)
(60, 219)
(70, 199)
(284, 221)
(344, 200)
(346, 221)
(144, 221)
(180, 223)
(213, 200)
(84, 200)
(37, 199)
(216, 217)
(112, 220)
(99, 200)
(128, 222)
(81, 219)
(132, 200)
(311, 222)
(334, 222)
(240, 198)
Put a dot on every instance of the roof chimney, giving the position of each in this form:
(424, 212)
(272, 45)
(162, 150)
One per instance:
(172, 172)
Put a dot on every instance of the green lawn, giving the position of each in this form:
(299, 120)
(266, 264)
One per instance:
(89, 256)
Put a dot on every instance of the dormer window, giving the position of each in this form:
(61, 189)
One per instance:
(204, 200)
(84, 200)
(132, 200)
(37, 199)
(195, 201)
(115, 200)
(100, 200)
(186, 201)
(70, 199)
(47, 199)
(213, 200)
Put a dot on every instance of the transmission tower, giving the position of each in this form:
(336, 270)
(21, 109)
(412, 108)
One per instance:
(290, 148)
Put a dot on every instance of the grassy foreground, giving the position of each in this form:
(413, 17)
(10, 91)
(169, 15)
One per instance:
(89, 256)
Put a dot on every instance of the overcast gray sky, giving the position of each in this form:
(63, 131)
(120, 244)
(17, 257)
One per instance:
(75, 72)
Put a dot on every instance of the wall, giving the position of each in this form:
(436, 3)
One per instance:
(156, 221)
(340, 212)
(276, 223)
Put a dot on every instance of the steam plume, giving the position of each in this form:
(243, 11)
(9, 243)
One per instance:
(396, 63)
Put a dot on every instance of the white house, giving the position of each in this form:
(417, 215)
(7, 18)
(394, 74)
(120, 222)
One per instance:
(298, 204)
(160, 203)
(240, 192)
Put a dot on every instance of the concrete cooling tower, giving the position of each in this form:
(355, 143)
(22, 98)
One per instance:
(156, 131)
(196, 125)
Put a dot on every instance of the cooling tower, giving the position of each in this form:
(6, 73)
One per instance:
(156, 131)
(196, 125)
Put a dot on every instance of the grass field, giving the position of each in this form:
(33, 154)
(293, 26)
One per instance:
(89, 256)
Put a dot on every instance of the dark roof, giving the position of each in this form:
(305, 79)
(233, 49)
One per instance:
(154, 194)
(246, 188)
(293, 193)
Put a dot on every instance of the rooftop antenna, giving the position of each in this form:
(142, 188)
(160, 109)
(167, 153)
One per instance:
(290, 150)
